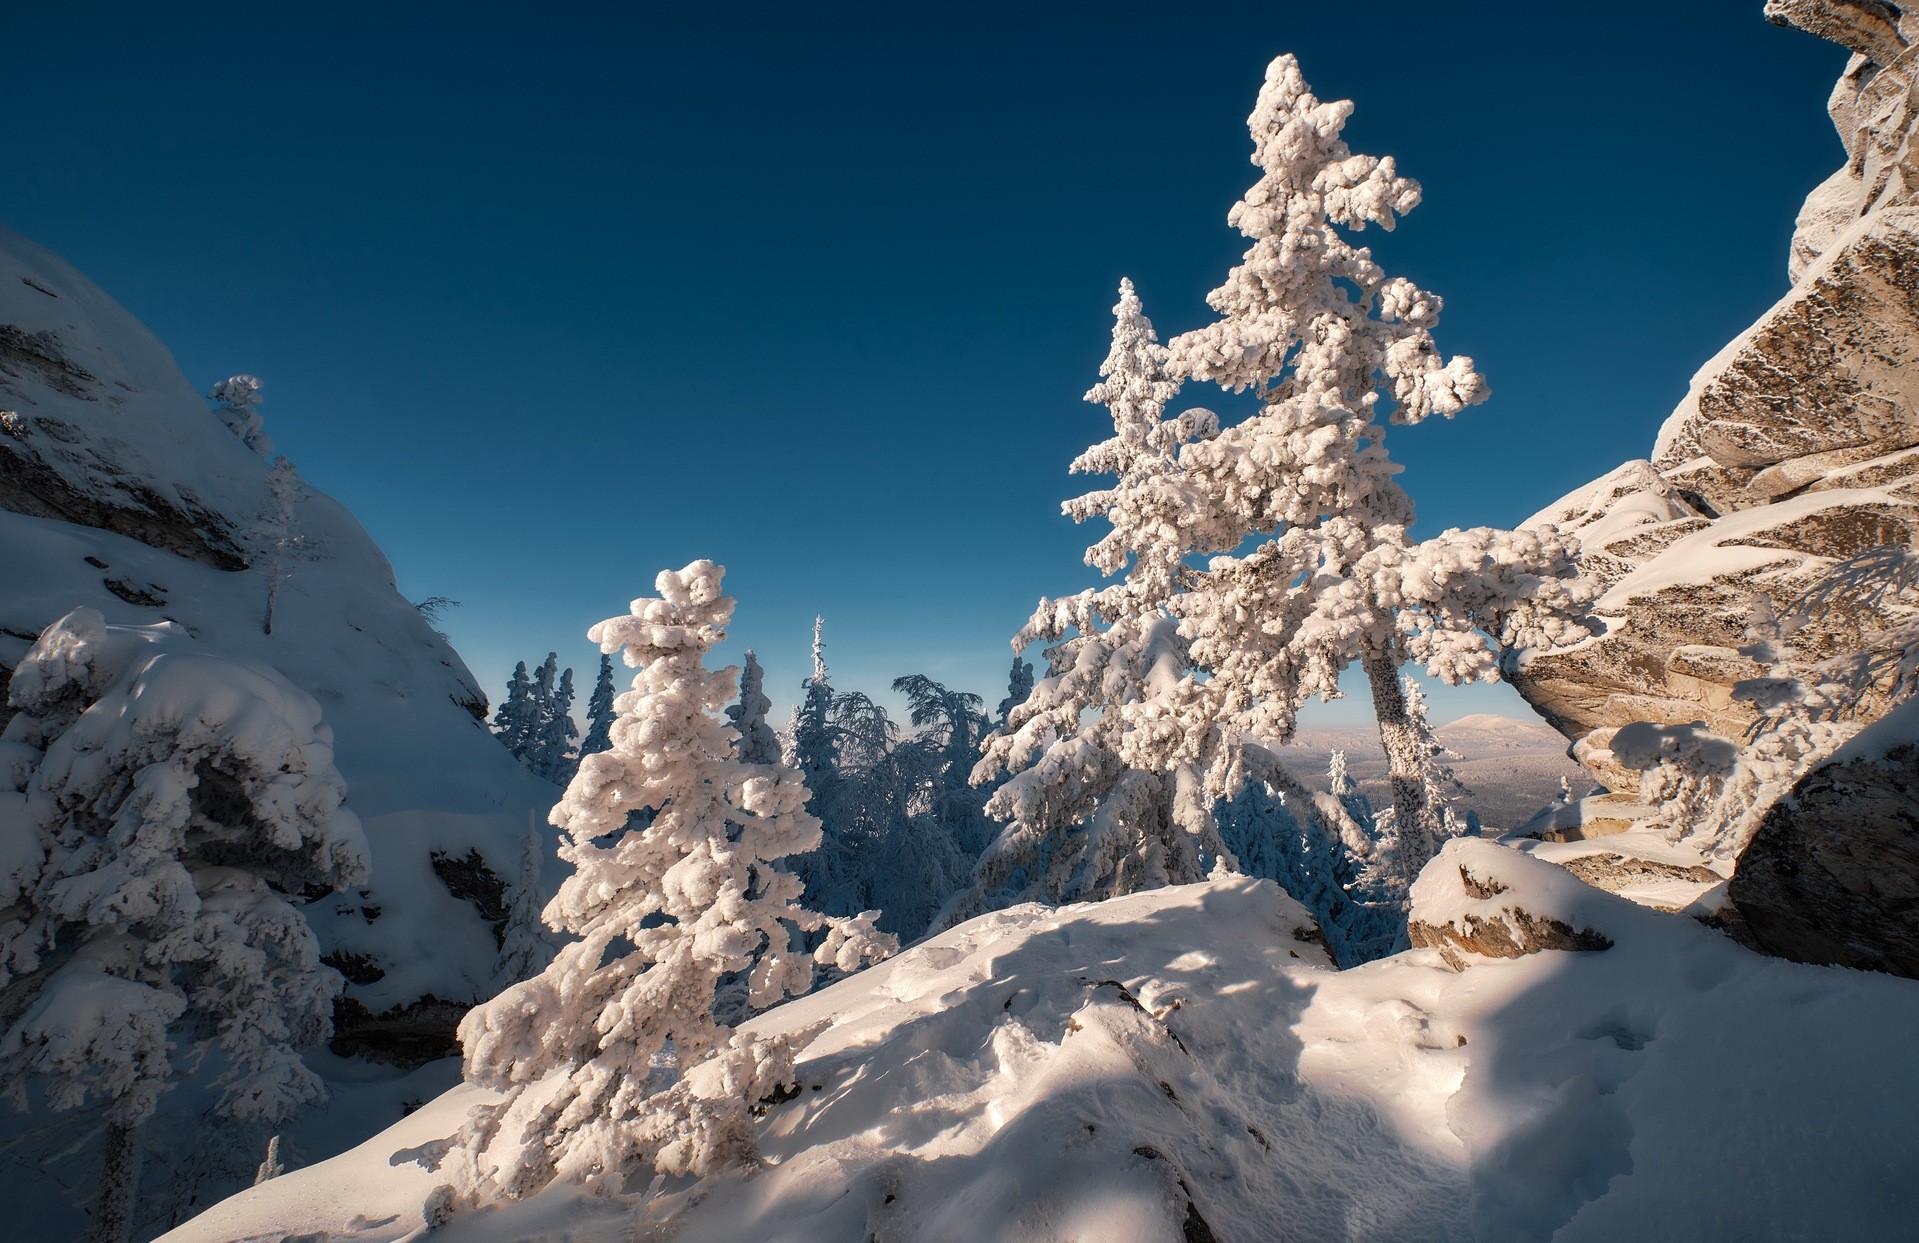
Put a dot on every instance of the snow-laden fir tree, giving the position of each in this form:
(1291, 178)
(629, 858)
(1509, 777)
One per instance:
(545, 684)
(612, 1054)
(1312, 325)
(882, 843)
(812, 749)
(599, 712)
(942, 753)
(809, 734)
(271, 1168)
(1080, 822)
(517, 719)
(274, 540)
(1312, 846)
(758, 743)
(525, 947)
(1019, 685)
(166, 810)
(553, 756)
(236, 400)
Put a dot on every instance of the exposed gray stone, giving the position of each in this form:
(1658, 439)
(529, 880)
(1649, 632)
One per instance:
(1798, 444)
(1832, 875)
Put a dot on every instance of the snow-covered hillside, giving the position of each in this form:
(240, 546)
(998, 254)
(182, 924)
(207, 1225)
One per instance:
(1183, 1064)
(120, 490)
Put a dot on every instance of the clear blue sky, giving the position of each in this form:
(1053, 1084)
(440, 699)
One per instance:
(554, 296)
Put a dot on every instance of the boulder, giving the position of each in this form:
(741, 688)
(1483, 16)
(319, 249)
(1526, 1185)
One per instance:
(1480, 899)
(1832, 875)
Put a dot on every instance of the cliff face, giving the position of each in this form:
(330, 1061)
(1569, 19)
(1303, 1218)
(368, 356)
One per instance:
(1796, 449)
(121, 490)
(1797, 446)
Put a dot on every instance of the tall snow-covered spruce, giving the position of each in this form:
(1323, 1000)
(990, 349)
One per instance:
(599, 711)
(555, 756)
(612, 1055)
(1080, 822)
(517, 718)
(758, 743)
(274, 538)
(167, 809)
(1317, 330)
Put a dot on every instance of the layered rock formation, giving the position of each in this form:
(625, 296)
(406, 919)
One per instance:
(1832, 874)
(1796, 449)
(1797, 446)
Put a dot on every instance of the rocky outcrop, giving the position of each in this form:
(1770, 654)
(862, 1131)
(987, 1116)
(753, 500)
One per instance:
(122, 491)
(1797, 446)
(1832, 875)
(1464, 905)
(90, 437)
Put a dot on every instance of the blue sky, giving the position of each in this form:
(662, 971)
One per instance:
(552, 297)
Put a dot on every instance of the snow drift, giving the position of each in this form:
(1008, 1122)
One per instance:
(1184, 1064)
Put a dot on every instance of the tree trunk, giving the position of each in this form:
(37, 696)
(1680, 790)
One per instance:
(119, 1179)
(1396, 734)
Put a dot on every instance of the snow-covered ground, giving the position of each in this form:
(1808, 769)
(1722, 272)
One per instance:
(1131, 1069)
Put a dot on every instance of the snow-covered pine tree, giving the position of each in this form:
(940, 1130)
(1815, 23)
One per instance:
(517, 716)
(812, 749)
(1315, 328)
(612, 1054)
(273, 539)
(1019, 685)
(545, 682)
(525, 947)
(1297, 843)
(236, 400)
(1079, 821)
(166, 811)
(942, 755)
(758, 743)
(599, 712)
(881, 845)
(810, 735)
(553, 756)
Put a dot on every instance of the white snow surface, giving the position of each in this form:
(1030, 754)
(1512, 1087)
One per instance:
(1089, 1072)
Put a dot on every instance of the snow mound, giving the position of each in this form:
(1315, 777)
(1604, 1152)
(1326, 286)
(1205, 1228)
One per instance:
(1181, 1063)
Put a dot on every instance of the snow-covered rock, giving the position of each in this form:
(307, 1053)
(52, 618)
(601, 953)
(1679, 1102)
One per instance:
(1181, 1064)
(1797, 446)
(122, 491)
(1832, 875)
(1462, 904)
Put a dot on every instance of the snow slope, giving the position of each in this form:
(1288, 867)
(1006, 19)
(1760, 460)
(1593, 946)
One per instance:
(120, 490)
(1132, 1069)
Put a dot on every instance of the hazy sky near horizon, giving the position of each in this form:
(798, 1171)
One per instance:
(555, 296)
